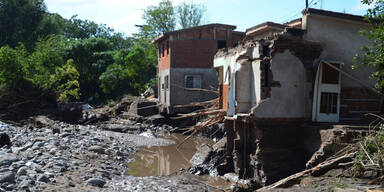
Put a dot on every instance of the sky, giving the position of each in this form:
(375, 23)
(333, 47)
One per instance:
(122, 15)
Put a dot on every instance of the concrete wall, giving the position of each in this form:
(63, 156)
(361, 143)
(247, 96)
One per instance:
(164, 94)
(180, 96)
(341, 41)
(288, 100)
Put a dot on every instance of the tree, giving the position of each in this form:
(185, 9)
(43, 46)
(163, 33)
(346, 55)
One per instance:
(190, 15)
(374, 53)
(161, 18)
(11, 64)
(19, 21)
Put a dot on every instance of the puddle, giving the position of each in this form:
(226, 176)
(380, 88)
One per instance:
(165, 160)
(168, 160)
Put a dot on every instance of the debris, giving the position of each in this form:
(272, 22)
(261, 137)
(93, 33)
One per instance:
(202, 155)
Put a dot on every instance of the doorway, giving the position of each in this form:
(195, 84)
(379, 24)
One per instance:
(326, 98)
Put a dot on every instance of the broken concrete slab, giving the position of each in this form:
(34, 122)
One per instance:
(144, 108)
(202, 155)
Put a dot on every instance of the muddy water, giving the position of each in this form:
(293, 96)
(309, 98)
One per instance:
(168, 160)
(165, 160)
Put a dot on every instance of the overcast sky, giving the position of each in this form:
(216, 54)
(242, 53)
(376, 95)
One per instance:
(122, 15)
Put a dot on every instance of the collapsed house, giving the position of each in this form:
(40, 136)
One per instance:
(185, 63)
(284, 76)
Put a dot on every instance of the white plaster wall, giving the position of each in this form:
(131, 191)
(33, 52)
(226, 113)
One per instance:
(164, 101)
(341, 41)
(287, 101)
(256, 82)
(244, 86)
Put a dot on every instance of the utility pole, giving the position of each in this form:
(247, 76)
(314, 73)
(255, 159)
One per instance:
(306, 4)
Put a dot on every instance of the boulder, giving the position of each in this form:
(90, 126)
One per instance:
(7, 177)
(96, 182)
(96, 149)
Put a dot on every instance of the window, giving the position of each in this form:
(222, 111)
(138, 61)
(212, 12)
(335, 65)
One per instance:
(192, 81)
(221, 44)
(166, 82)
(159, 48)
(330, 75)
(167, 47)
(328, 103)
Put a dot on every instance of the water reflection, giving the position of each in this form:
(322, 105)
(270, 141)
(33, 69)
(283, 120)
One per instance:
(162, 161)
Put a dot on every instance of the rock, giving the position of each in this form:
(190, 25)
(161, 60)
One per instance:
(96, 149)
(148, 134)
(7, 177)
(4, 139)
(38, 144)
(24, 184)
(10, 187)
(7, 159)
(96, 182)
(21, 171)
(43, 178)
(202, 155)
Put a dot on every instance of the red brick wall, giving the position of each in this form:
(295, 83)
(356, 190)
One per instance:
(164, 62)
(193, 53)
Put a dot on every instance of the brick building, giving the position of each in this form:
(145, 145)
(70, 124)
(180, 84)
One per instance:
(185, 63)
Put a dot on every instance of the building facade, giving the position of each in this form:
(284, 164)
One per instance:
(287, 75)
(185, 63)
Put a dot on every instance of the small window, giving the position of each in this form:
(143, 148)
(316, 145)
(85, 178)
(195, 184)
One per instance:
(192, 81)
(166, 82)
(167, 47)
(328, 103)
(159, 48)
(221, 44)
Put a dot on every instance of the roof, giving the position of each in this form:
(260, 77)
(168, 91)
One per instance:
(294, 22)
(334, 14)
(263, 27)
(164, 35)
(266, 24)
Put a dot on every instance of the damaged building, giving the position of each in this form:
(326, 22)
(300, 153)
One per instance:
(285, 78)
(185, 63)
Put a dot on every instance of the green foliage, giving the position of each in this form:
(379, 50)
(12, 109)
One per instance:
(374, 53)
(47, 55)
(129, 74)
(115, 80)
(370, 154)
(11, 64)
(19, 21)
(91, 58)
(80, 59)
(161, 18)
(65, 82)
(190, 14)
(165, 17)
